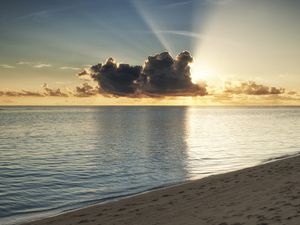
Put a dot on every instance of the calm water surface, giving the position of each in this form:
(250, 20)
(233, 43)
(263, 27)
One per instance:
(58, 158)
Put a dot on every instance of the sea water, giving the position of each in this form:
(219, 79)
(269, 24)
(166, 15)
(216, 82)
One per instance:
(60, 158)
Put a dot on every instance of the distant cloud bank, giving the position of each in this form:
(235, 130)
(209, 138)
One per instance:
(45, 92)
(6, 66)
(251, 88)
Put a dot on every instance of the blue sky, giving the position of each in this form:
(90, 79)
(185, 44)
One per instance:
(80, 32)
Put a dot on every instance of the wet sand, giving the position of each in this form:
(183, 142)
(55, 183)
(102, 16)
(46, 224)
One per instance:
(268, 194)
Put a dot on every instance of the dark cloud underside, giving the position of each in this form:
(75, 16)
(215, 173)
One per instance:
(161, 75)
(116, 79)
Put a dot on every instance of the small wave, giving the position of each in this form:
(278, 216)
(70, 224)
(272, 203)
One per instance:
(281, 157)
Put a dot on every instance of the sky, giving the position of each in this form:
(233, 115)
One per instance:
(242, 51)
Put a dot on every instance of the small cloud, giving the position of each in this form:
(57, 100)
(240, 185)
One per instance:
(5, 66)
(292, 93)
(86, 90)
(53, 92)
(42, 65)
(24, 63)
(31, 93)
(176, 4)
(69, 68)
(85, 75)
(219, 2)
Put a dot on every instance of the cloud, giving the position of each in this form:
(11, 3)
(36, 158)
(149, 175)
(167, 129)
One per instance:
(251, 88)
(69, 68)
(176, 4)
(167, 76)
(46, 91)
(21, 93)
(219, 2)
(292, 93)
(86, 90)
(5, 66)
(119, 80)
(24, 63)
(160, 76)
(42, 65)
(53, 92)
(85, 74)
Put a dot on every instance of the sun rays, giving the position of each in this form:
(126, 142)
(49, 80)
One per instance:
(199, 71)
(152, 24)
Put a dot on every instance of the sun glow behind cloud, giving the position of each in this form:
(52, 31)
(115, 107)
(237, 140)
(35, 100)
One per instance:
(199, 72)
(201, 69)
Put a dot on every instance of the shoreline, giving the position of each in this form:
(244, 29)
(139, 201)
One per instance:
(224, 198)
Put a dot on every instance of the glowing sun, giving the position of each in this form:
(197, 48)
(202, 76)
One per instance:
(199, 72)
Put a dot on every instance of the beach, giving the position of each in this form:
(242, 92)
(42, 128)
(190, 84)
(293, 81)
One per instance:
(264, 194)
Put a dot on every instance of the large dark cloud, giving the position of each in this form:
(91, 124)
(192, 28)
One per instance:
(167, 76)
(252, 88)
(115, 79)
(160, 76)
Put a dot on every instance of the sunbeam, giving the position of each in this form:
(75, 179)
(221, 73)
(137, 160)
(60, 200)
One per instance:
(201, 70)
(155, 29)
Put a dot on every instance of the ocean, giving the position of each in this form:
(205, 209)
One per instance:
(54, 159)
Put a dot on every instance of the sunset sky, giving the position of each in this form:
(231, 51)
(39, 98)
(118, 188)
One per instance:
(246, 51)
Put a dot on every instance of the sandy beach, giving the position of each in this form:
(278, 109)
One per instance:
(267, 194)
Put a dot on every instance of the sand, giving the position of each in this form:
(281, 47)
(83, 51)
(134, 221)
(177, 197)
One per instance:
(261, 195)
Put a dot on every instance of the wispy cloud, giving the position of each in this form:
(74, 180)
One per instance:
(6, 66)
(37, 65)
(197, 36)
(182, 33)
(176, 4)
(45, 13)
(42, 65)
(69, 68)
(219, 2)
(24, 63)
(21, 93)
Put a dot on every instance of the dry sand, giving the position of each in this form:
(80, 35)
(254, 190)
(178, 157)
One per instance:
(261, 195)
